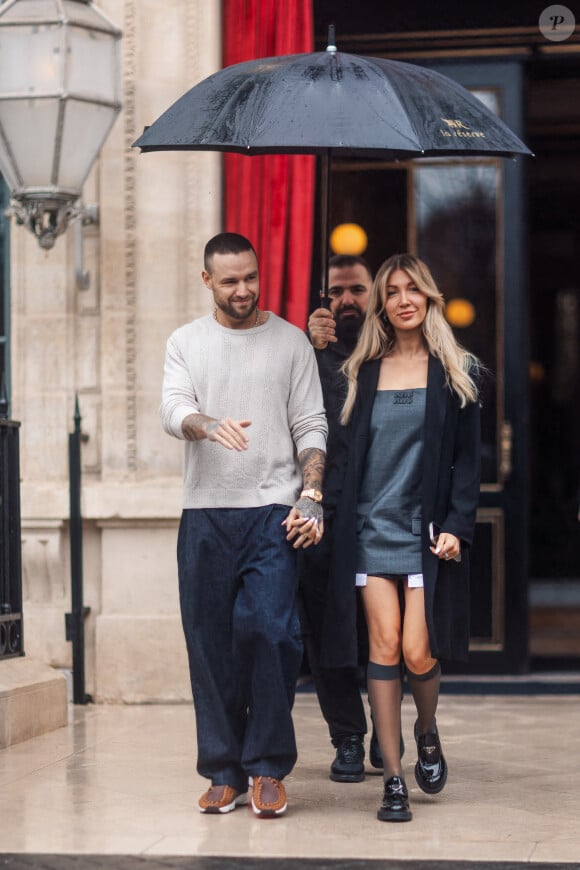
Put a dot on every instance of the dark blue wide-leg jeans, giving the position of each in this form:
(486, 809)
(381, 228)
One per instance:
(237, 586)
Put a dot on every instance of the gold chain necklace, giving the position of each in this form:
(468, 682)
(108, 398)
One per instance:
(257, 323)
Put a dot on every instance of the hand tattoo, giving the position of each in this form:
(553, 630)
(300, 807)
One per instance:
(309, 509)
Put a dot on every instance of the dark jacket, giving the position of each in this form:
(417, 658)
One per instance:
(333, 384)
(450, 495)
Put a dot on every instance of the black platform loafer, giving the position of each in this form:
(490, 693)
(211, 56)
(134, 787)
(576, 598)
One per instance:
(395, 805)
(349, 764)
(431, 767)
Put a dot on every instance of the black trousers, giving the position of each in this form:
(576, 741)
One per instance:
(338, 689)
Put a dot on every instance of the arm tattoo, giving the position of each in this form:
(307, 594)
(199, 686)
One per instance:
(312, 466)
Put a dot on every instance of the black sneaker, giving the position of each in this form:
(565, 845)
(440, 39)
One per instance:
(349, 764)
(431, 767)
(375, 757)
(395, 805)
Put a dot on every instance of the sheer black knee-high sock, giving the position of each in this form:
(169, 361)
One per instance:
(384, 688)
(425, 689)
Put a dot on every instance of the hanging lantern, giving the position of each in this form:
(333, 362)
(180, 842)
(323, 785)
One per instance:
(59, 97)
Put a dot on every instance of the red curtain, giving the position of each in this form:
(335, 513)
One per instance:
(270, 198)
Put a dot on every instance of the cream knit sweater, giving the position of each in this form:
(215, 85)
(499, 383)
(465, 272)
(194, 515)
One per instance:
(267, 374)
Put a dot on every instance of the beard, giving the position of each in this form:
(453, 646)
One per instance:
(235, 313)
(348, 328)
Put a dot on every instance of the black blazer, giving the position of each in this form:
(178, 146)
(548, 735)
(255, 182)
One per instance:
(450, 495)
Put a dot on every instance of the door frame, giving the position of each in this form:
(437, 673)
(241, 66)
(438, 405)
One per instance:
(510, 498)
(5, 288)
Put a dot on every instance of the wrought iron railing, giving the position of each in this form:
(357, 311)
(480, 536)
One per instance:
(75, 620)
(10, 545)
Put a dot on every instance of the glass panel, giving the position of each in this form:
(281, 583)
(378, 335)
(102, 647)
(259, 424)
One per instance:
(455, 210)
(81, 13)
(30, 128)
(93, 65)
(374, 198)
(85, 129)
(34, 10)
(6, 166)
(3, 283)
(43, 71)
(489, 98)
(481, 610)
(487, 588)
(2, 361)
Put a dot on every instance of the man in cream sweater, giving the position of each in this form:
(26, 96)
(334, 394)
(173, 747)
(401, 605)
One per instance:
(241, 388)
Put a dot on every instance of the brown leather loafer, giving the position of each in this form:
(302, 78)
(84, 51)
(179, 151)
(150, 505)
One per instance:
(221, 799)
(268, 797)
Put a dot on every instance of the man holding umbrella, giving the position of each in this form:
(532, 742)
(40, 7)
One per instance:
(333, 333)
(242, 390)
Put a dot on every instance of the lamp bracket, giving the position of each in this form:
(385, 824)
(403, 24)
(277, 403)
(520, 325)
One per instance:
(47, 214)
(89, 215)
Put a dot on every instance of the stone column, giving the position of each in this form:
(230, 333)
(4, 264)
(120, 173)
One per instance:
(107, 343)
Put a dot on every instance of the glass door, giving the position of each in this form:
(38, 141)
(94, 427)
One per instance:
(465, 218)
(4, 295)
(466, 221)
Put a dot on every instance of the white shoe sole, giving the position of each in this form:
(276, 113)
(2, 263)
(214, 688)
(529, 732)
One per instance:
(238, 801)
(265, 814)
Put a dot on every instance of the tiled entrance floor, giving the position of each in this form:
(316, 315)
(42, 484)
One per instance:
(122, 780)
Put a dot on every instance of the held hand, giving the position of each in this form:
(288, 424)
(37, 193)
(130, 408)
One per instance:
(304, 523)
(321, 328)
(447, 547)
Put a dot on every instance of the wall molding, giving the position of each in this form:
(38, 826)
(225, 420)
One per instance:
(129, 106)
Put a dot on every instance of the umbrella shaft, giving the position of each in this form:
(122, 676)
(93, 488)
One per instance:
(325, 227)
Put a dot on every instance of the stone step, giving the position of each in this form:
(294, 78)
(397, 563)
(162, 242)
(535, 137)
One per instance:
(33, 700)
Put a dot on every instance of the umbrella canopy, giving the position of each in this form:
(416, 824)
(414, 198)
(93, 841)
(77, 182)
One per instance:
(331, 103)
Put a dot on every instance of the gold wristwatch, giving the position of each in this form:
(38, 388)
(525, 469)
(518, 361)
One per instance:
(314, 494)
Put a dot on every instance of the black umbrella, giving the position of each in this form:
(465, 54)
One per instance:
(326, 103)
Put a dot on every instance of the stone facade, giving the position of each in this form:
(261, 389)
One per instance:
(106, 344)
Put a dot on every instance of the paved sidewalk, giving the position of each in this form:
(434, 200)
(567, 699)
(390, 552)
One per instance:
(129, 862)
(121, 781)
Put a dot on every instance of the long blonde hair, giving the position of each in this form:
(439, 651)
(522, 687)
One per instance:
(377, 337)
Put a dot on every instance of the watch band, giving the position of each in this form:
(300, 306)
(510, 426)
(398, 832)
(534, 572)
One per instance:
(314, 494)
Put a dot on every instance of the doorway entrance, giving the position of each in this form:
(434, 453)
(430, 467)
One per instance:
(537, 318)
(553, 122)
(4, 296)
(464, 217)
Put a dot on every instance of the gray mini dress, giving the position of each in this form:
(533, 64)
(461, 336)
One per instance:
(389, 506)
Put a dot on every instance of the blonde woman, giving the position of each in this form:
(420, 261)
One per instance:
(407, 513)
